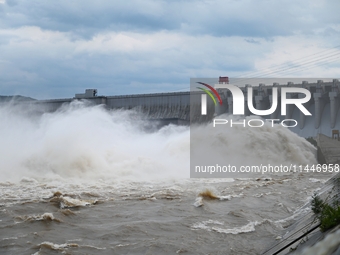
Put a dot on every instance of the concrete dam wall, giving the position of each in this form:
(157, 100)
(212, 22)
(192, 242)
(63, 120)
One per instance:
(323, 105)
(164, 107)
(183, 107)
(155, 106)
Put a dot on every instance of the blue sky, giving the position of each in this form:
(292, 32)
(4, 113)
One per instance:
(54, 49)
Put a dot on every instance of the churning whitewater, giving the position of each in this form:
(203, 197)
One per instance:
(85, 180)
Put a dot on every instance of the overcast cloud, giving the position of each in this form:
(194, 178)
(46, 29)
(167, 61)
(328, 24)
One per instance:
(54, 49)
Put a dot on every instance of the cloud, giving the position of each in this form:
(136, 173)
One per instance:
(219, 18)
(56, 49)
(252, 41)
(111, 59)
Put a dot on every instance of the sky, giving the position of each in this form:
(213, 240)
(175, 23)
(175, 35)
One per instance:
(55, 49)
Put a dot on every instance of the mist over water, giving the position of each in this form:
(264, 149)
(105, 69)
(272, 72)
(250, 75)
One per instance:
(83, 141)
(240, 145)
(89, 142)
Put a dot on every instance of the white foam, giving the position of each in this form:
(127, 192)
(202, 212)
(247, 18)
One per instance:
(69, 202)
(199, 202)
(250, 227)
(92, 144)
(59, 247)
(42, 217)
(28, 180)
(89, 143)
(10, 238)
(284, 223)
(214, 225)
(245, 146)
(316, 180)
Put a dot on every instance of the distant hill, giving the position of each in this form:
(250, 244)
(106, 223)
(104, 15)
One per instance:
(15, 98)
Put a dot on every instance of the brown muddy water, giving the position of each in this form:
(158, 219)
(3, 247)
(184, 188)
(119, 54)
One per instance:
(87, 181)
(150, 218)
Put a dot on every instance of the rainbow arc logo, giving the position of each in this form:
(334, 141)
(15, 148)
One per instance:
(204, 97)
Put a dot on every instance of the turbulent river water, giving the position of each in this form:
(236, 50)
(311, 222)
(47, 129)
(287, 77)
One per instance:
(84, 180)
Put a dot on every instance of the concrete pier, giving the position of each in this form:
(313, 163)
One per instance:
(334, 102)
(328, 150)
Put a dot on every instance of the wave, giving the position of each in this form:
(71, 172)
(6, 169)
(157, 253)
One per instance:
(42, 217)
(217, 226)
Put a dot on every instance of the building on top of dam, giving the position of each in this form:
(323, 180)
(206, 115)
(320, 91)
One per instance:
(88, 93)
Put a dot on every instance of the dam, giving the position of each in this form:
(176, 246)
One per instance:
(164, 107)
(185, 107)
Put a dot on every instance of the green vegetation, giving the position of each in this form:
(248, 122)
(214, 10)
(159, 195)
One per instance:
(317, 204)
(15, 98)
(328, 214)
